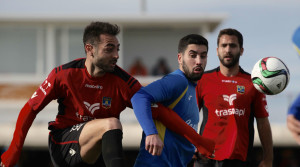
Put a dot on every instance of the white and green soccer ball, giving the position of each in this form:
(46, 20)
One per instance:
(270, 75)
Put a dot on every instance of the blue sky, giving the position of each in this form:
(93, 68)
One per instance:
(267, 27)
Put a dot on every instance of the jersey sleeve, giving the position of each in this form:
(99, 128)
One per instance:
(141, 103)
(45, 93)
(295, 108)
(260, 105)
(41, 97)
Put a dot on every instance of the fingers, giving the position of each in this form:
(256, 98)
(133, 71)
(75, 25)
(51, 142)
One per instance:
(296, 136)
(207, 148)
(154, 149)
(212, 155)
(154, 145)
(293, 124)
(2, 165)
(205, 157)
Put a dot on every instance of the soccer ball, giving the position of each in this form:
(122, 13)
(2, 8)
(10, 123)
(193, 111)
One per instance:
(270, 75)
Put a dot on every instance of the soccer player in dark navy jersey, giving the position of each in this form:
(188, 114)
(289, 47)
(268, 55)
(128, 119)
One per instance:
(91, 93)
(176, 91)
(230, 103)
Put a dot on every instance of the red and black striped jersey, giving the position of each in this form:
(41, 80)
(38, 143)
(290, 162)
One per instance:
(229, 106)
(81, 97)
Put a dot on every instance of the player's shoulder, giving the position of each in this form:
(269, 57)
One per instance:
(75, 64)
(210, 73)
(243, 72)
(121, 75)
(177, 77)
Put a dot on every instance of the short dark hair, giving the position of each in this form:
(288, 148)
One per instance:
(231, 31)
(191, 39)
(93, 31)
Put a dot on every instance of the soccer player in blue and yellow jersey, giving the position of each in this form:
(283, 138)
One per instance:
(176, 91)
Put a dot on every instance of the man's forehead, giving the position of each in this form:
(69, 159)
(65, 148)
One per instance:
(228, 39)
(196, 47)
(109, 39)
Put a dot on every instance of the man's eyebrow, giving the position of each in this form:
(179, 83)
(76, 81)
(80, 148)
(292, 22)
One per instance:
(195, 52)
(112, 45)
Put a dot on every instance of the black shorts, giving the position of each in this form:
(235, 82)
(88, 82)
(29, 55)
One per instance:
(64, 148)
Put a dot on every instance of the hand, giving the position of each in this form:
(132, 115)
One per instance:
(154, 145)
(207, 149)
(2, 165)
(294, 126)
(205, 157)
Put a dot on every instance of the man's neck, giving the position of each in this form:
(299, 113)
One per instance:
(93, 70)
(229, 72)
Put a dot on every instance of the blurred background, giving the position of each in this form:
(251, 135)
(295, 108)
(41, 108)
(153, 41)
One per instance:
(36, 36)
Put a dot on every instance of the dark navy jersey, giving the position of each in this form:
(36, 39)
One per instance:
(178, 93)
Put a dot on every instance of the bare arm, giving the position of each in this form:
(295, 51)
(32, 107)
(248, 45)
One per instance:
(265, 135)
(294, 126)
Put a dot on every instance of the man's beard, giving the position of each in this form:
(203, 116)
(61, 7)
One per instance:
(189, 74)
(106, 67)
(235, 60)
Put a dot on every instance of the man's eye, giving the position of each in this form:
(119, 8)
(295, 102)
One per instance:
(109, 50)
(193, 55)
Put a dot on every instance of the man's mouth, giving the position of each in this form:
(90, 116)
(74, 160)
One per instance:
(198, 69)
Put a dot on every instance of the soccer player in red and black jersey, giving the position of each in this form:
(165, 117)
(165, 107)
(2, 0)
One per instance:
(91, 93)
(230, 103)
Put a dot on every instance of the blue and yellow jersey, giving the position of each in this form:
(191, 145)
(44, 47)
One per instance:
(178, 93)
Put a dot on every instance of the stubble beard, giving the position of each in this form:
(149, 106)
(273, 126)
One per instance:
(190, 75)
(101, 64)
(235, 60)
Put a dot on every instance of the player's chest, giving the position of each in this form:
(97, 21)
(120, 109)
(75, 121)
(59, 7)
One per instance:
(103, 95)
(228, 93)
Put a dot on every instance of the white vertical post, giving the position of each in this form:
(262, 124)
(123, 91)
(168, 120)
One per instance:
(50, 48)
(64, 43)
(39, 70)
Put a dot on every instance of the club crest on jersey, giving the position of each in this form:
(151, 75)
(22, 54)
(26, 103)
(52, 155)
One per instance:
(240, 89)
(106, 102)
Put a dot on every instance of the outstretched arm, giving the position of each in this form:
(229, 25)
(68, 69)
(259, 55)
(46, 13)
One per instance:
(43, 95)
(25, 119)
(175, 123)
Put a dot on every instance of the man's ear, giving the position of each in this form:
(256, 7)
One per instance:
(88, 49)
(179, 55)
(241, 51)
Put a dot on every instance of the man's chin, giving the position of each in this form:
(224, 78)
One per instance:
(195, 77)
